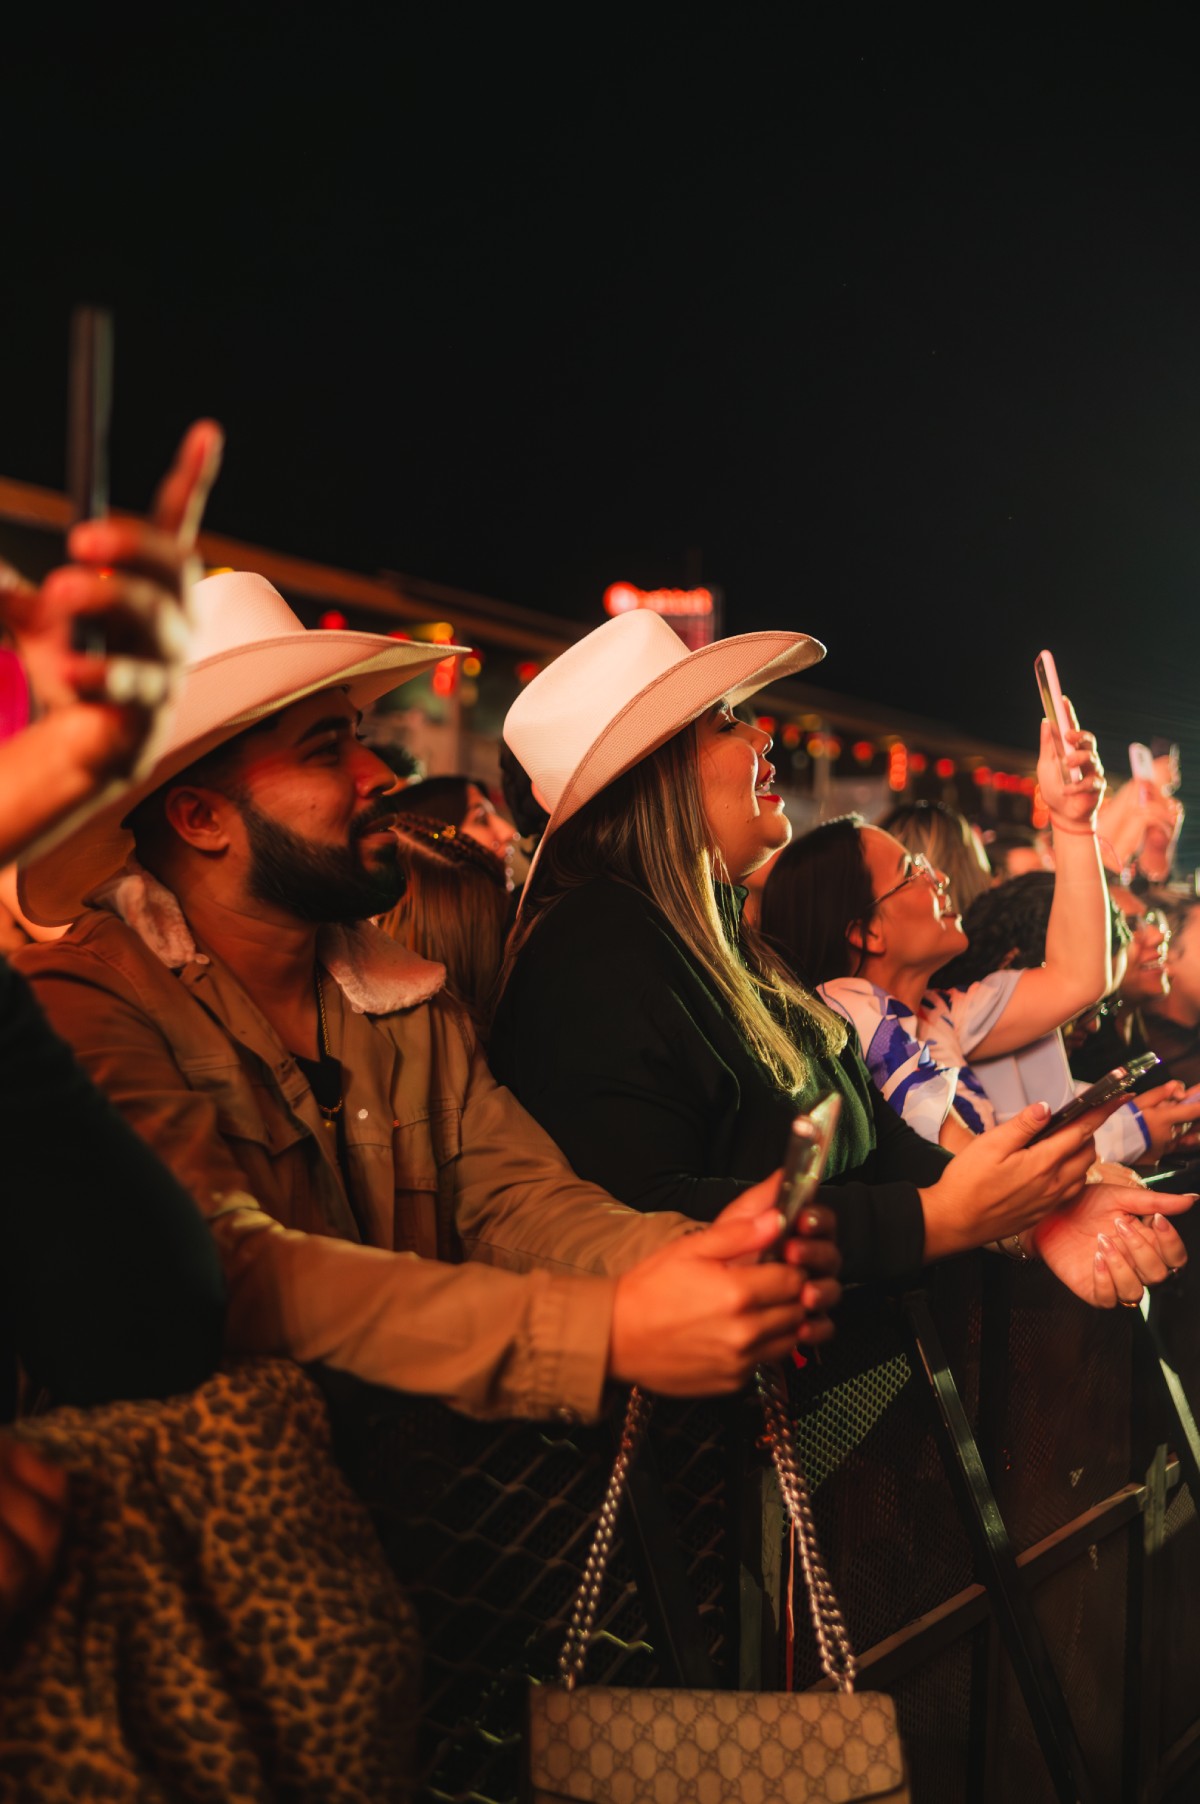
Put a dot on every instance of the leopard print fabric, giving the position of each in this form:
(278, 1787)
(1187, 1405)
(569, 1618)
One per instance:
(223, 1628)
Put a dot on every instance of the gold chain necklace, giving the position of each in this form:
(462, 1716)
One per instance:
(329, 1116)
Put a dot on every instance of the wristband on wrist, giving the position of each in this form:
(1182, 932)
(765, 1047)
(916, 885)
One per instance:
(1082, 832)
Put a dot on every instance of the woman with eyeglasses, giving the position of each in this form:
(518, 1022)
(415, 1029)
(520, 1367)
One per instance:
(1006, 930)
(663, 1044)
(868, 924)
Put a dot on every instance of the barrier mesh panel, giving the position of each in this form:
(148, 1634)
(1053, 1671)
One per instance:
(884, 1509)
(1061, 1388)
(933, 1708)
(1181, 1585)
(488, 1526)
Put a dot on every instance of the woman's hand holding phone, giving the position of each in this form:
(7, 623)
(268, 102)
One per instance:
(1002, 1184)
(1072, 802)
(807, 1244)
(812, 1247)
(696, 1317)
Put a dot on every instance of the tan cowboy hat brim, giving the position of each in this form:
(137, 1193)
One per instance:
(275, 672)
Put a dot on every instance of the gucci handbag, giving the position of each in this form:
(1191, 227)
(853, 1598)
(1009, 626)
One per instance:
(611, 1744)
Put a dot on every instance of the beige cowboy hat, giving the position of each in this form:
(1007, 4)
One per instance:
(623, 691)
(250, 656)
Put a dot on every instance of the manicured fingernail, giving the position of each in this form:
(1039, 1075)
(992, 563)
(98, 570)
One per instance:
(1106, 1243)
(1101, 1263)
(810, 1221)
(1040, 1109)
(1122, 1226)
(778, 1222)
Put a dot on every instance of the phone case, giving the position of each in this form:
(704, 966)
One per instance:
(1141, 762)
(1046, 674)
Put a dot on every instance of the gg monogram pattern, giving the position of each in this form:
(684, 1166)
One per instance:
(611, 1745)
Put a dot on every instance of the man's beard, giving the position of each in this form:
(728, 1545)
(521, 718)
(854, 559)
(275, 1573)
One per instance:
(319, 883)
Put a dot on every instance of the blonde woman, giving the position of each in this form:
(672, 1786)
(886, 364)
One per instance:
(660, 1042)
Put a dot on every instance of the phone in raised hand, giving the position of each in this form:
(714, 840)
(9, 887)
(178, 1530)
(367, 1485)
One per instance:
(809, 1142)
(1141, 763)
(1055, 710)
(89, 411)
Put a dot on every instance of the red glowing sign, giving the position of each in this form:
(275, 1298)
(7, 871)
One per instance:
(623, 598)
(692, 612)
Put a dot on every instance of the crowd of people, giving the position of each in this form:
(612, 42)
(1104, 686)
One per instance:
(299, 1072)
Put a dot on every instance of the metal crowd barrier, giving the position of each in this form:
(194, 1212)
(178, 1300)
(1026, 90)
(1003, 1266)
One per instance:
(1005, 1485)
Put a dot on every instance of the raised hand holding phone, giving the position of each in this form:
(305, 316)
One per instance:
(1141, 764)
(102, 716)
(133, 578)
(1054, 707)
(1070, 774)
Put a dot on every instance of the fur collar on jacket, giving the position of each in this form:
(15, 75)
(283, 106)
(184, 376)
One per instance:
(374, 973)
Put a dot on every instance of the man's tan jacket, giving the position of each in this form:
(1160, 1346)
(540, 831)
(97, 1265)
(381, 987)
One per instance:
(444, 1165)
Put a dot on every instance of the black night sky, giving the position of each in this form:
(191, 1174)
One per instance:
(893, 324)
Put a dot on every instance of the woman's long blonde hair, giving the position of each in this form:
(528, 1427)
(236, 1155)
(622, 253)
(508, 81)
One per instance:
(648, 829)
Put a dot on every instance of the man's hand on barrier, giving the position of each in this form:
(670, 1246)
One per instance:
(1106, 1247)
(33, 1496)
(1001, 1184)
(696, 1317)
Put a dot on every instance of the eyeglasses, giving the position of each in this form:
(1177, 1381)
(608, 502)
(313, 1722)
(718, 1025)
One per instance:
(918, 866)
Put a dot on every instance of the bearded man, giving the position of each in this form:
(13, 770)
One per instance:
(379, 1202)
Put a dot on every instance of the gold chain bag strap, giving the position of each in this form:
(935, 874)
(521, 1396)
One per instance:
(611, 1744)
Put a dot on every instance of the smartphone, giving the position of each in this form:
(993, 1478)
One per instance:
(89, 414)
(1114, 1083)
(1055, 710)
(1141, 763)
(809, 1142)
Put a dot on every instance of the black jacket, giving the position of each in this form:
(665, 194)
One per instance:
(614, 1040)
(109, 1280)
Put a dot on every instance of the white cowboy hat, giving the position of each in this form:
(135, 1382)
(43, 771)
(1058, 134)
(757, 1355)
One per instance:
(624, 690)
(250, 656)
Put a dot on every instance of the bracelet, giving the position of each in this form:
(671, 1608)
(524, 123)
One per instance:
(1080, 832)
(1014, 1247)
